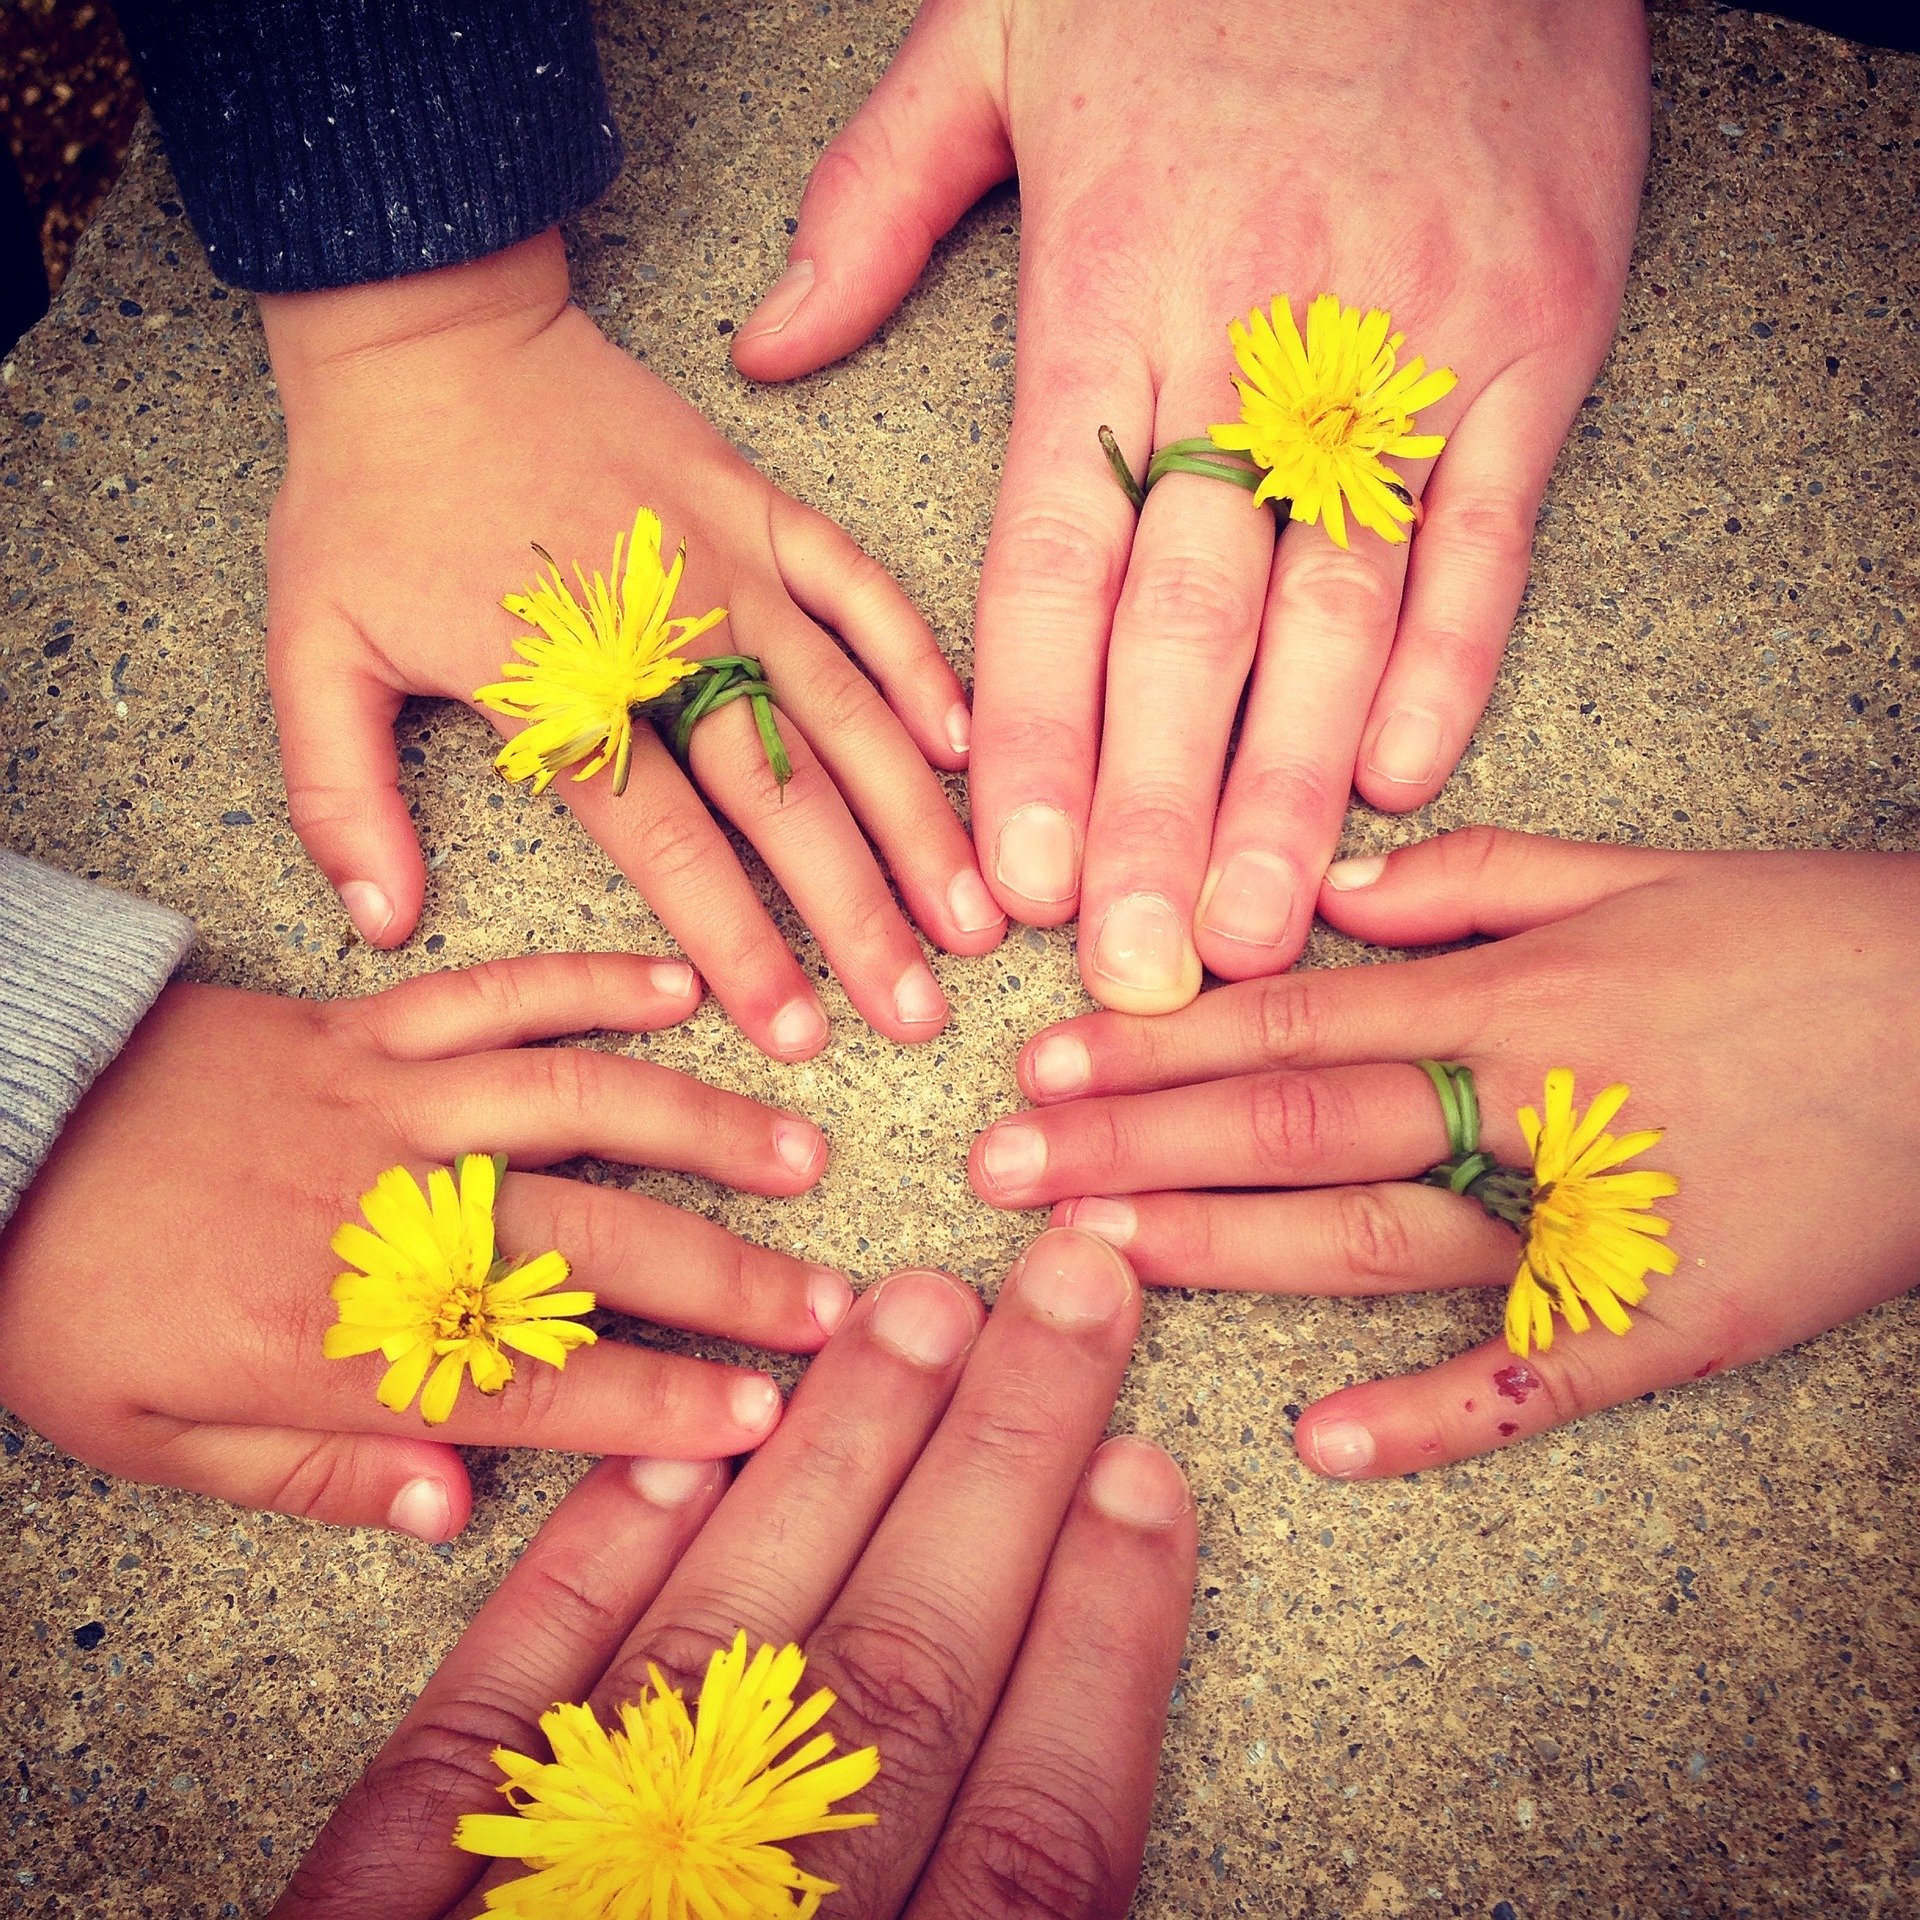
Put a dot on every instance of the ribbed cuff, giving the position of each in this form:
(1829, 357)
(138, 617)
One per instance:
(79, 967)
(324, 143)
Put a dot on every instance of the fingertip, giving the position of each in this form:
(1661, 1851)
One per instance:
(433, 1506)
(1055, 1065)
(801, 1149)
(1033, 865)
(677, 984)
(1334, 1444)
(754, 1402)
(798, 1031)
(1138, 1484)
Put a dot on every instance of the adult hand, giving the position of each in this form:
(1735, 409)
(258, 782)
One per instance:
(1474, 167)
(164, 1286)
(1002, 1618)
(1760, 1006)
(438, 425)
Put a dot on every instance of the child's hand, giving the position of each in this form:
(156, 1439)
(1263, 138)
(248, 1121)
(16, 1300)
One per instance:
(164, 1287)
(1474, 166)
(436, 427)
(997, 1597)
(1760, 1006)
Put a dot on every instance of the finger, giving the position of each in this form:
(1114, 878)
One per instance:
(543, 996)
(1468, 570)
(1487, 1398)
(661, 836)
(1332, 1127)
(772, 1559)
(1053, 1815)
(1183, 638)
(343, 775)
(818, 854)
(542, 1638)
(1391, 1238)
(1048, 587)
(611, 1397)
(918, 1645)
(846, 589)
(539, 1105)
(1481, 880)
(1325, 636)
(342, 1479)
(928, 143)
(882, 778)
(674, 1268)
(1318, 1017)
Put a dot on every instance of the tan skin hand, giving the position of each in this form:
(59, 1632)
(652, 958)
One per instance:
(1474, 167)
(164, 1287)
(437, 427)
(1760, 1006)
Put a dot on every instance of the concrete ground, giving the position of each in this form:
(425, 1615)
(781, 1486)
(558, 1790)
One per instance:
(1661, 1664)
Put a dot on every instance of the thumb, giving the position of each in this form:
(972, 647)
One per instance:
(1480, 880)
(343, 779)
(343, 1479)
(929, 142)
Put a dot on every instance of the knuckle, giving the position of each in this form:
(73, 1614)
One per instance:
(585, 1591)
(678, 1650)
(899, 1682)
(1003, 1435)
(1282, 1021)
(1295, 794)
(1296, 1120)
(844, 702)
(1055, 552)
(570, 1078)
(1332, 592)
(1024, 1849)
(859, 167)
(498, 988)
(446, 1759)
(1194, 602)
(1468, 853)
(1487, 532)
(672, 845)
(307, 1489)
(1147, 825)
(1372, 1233)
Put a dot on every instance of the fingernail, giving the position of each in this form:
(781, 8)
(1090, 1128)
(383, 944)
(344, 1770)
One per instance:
(1073, 1281)
(1361, 871)
(1408, 748)
(367, 907)
(1341, 1448)
(828, 1298)
(422, 1509)
(1113, 1221)
(669, 1483)
(1014, 1156)
(973, 908)
(799, 1028)
(1136, 1484)
(923, 1318)
(1143, 948)
(674, 978)
(1249, 900)
(1036, 855)
(755, 1401)
(782, 300)
(799, 1143)
(959, 727)
(1059, 1065)
(917, 1000)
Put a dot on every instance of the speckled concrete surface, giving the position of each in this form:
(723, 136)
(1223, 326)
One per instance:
(1664, 1664)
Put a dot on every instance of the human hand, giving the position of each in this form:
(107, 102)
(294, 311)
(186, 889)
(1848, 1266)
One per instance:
(1002, 1619)
(438, 425)
(1474, 168)
(164, 1284)
(1760, 1006)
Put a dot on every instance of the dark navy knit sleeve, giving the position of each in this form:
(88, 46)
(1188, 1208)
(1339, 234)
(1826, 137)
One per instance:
(322, 143)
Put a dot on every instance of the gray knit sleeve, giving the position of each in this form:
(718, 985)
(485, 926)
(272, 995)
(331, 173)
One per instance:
(79, 967)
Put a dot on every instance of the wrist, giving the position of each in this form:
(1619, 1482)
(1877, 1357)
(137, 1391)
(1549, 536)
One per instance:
(323, 340)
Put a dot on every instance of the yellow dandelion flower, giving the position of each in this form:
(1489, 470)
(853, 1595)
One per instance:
(429, 1292)
(1590, 1239)
(675, 1817)
(1321, 414)
(592, 662)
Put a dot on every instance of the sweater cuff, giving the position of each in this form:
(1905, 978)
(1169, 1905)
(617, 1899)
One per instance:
(325, 143)
(79, 967)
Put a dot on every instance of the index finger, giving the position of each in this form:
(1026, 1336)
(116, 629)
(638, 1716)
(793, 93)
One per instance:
(543, 1637)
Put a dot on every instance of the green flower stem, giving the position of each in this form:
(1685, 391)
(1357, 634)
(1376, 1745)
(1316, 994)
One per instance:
(734, 676)
(1121, 470)
(1505, 1192)
(1197, 455)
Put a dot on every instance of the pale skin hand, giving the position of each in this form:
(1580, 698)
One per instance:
(164, 1287)
(1760, 1006)
(438, 425)
(1473, 166)
(998, 1599)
